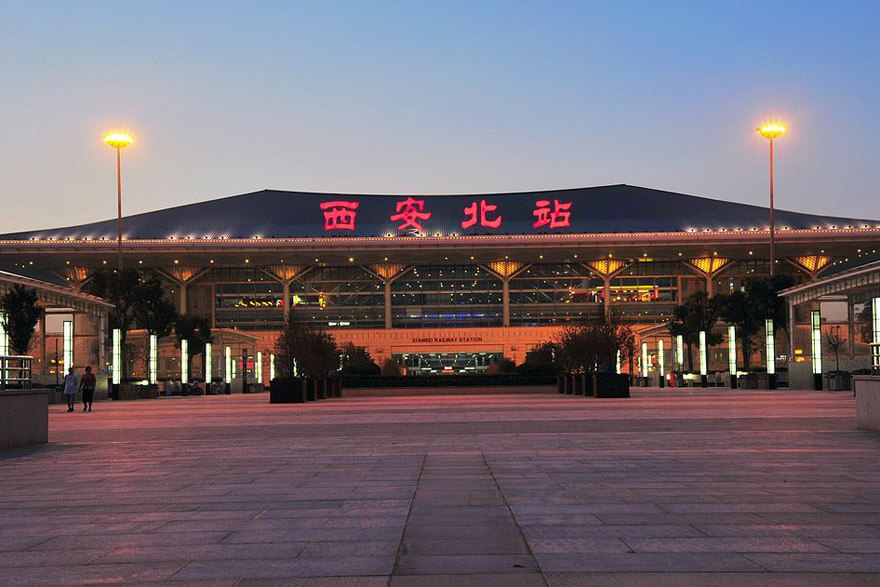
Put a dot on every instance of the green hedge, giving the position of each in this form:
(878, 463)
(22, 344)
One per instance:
(350, 381)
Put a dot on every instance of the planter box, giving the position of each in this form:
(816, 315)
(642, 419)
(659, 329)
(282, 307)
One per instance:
(838, 381)
(867, 402)
(610, 385)
(129, 391)
(320, 389)
(287, 390)
(560, 384)
(24, 418)
(578, 388)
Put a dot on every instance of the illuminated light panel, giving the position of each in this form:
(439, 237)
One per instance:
(285, 272)
(67, 344)
(183, 274)
(4, 338)
(709, 265)
(617, 363)
(875, 327)
(184, 361)
(770, 348)
(209, 367)
(679, 351)
(259, 367)
(271, 366)
(816, 340)
(660, 362)
(76, 274)
(731, 349)
(704, 359)
(813, 263)
(606, 267)
(154, 359)
(644, 359)
(116, 357)
(388, 270)
(504, 268)
(227, 372)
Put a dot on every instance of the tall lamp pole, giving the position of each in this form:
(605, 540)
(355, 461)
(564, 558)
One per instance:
(772, 131)
(118, 140)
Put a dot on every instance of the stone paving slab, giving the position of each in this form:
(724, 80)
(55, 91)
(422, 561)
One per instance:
(704, 487)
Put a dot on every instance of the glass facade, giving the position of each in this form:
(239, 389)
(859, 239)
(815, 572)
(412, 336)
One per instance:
(434, 296)
(444, 295)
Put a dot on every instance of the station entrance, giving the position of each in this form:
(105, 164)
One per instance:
(453, 363)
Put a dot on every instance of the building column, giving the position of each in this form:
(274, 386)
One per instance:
(45, 368)
(791, 329)
(607, 296)
(709, 287)
(387, 304)
(505, 299)
(285, 289)
(102, 328)
(182, 285)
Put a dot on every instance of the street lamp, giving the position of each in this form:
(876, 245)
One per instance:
(772, 131)
(118, 140)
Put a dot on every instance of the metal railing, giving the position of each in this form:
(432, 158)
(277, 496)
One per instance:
(16, 371)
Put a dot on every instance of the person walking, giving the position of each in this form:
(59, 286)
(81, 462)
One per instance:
(87, 385)
(70, 381)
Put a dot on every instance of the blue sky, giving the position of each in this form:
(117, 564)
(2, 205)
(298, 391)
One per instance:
(420, 97)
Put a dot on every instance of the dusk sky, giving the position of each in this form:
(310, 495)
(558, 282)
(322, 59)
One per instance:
(434, 97)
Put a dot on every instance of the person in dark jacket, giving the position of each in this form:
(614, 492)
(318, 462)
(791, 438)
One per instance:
(87, 385)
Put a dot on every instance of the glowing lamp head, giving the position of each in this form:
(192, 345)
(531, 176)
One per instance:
(772, 130)
(118, 140)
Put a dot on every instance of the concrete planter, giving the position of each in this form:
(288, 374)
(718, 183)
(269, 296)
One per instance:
(867, 402)
(838, 381)
(24, 418)
(286, 390)
(610, 385)
(128, 391)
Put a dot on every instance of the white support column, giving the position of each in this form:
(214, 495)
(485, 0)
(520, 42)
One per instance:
(184, 361)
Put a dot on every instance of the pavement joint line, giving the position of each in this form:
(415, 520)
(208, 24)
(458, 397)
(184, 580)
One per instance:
(513, 517)
(402, 544)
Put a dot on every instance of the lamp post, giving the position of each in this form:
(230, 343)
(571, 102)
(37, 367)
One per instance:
(772, 131)
(118, 140)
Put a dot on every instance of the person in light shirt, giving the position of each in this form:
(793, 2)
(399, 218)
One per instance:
(70, 381)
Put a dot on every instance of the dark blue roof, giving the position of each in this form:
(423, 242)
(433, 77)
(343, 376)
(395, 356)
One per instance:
(606, 209)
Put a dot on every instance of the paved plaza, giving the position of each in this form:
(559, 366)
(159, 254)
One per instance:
(666, 488)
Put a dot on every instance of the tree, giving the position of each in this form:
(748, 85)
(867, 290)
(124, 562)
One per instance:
(197, 332)
(305, 350)
(595, 347)
(503, 365)
(20, 317)
(390, 367)
(835, 343)
(542, 358)
(123, 290)
(356, 360)
(152, 311)
(736, 310)
(698, 313)
(748, 309)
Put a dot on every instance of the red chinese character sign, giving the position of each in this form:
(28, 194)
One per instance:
(410, 212)
(339, 215)
(481, 215)
(557, 217)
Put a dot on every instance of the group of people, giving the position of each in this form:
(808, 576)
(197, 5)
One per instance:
(86, 385)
